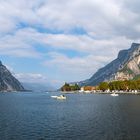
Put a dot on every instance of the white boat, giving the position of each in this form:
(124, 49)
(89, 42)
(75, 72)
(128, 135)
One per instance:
(87, 91)
(61, 97)
(114, 94)
(54, 96)
(81, 91)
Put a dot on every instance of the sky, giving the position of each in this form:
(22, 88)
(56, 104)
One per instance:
(57, 41)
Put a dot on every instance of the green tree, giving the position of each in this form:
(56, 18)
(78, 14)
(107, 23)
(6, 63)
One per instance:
(66, 87)
(77, 87)
(133, 85)
(103, 86)
(138, 84)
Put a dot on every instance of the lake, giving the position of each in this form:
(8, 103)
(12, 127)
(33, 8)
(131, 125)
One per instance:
(37, 116)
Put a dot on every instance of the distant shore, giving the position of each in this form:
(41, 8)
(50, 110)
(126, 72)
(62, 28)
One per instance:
(101, 92)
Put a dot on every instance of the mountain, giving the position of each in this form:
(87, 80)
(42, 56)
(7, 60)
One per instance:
(7, 81)
(125, 66)
(38, 86)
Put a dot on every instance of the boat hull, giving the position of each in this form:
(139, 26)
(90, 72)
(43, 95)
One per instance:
(114, 95)
(59, 97)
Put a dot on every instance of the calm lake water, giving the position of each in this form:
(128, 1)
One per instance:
(37, 116)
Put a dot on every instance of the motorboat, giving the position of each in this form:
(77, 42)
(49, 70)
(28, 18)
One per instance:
(114, 94)
(87, 91)
(61, 97)
(54, 96)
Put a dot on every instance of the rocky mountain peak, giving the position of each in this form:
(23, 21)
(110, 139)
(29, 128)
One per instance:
(125, 66)
(7, 81)
(130, 53)
(135, 46)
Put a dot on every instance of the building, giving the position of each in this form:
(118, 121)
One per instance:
(89, 88)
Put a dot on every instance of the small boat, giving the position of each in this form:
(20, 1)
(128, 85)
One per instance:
(114, 94)
(87, 91)
(61, 97)
(54, 96)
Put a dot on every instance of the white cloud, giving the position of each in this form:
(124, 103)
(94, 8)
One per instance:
(84, 43)
(73, 68)
(19, 44)
(98, 18)
(108, 25)
(31, 77)
(37, 78)
(88, 14)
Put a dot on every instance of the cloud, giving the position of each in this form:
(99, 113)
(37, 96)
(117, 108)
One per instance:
(97, 29)
(31, 77)
(98, 18)
(87, 14)
(23, 43)
(86, 44)
(19, 44)
(73, 68)
(37, 78)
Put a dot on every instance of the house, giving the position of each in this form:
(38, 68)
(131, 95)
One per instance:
(89, 88)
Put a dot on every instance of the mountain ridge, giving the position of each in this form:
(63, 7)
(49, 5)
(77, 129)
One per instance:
(112, 70)
(7, 81)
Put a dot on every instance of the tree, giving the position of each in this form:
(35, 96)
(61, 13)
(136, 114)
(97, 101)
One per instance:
(77, 87)
(138, 84)
(66, 87)
(133, 85)
(103, 86)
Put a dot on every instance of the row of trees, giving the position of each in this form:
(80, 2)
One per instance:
(68, 87)
(120, 85)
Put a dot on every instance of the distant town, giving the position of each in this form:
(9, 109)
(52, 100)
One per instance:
(125, 86)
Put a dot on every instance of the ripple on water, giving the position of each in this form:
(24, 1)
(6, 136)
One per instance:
(39, 117)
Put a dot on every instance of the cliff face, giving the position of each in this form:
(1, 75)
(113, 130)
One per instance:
(130, 70)
(126, 66)
(7, 81)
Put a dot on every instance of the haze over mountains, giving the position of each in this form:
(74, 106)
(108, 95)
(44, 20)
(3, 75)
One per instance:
(38, 86)
(126, 66)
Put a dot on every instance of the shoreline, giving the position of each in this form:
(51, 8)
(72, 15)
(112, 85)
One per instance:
(121, 93)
